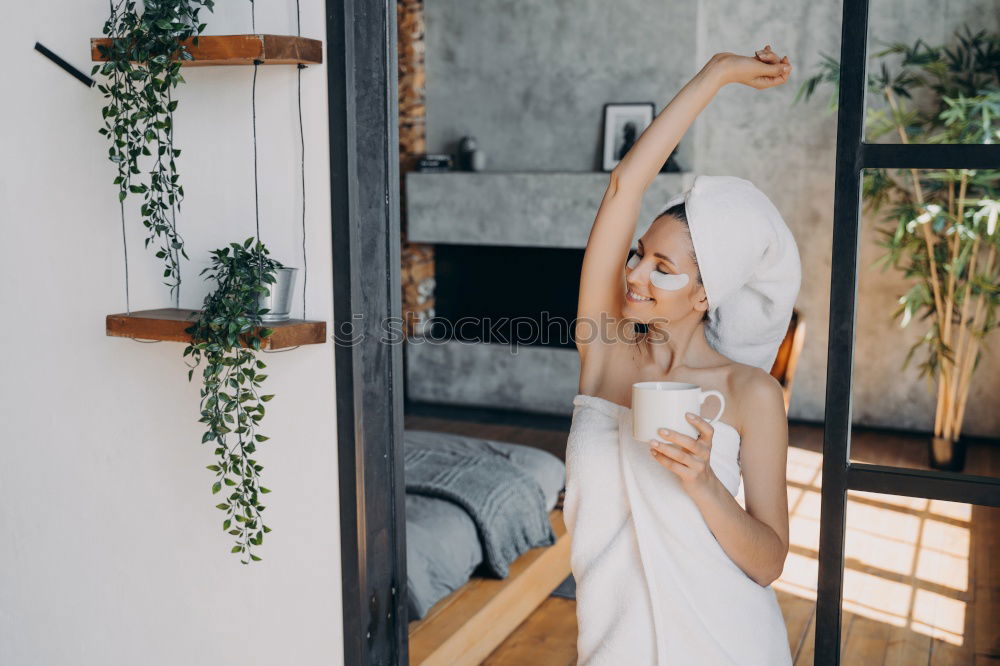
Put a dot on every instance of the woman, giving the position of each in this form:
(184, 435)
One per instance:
(670, 569)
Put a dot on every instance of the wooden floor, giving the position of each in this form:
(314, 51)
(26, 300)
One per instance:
(922, 577)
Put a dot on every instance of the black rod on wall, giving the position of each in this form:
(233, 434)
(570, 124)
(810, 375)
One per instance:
(76, 73)
(364, 192)
(839, 473)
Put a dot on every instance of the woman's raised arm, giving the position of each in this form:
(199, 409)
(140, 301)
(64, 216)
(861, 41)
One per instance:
(645, 159)
(602, 284)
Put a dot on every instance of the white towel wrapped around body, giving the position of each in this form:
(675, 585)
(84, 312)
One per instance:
(654, 586)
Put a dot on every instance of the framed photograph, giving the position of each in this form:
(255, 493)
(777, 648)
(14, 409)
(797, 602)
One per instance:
(623, 123)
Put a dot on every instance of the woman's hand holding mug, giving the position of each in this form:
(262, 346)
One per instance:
(668, 410)
(687, 457)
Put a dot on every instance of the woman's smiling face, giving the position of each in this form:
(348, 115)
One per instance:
(664, 272)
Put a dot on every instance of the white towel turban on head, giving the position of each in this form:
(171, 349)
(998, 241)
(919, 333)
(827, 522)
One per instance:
(749, 266)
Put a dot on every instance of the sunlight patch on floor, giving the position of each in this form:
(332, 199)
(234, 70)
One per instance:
(906, 558)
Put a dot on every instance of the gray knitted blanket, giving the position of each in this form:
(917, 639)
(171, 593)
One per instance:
(505, 503)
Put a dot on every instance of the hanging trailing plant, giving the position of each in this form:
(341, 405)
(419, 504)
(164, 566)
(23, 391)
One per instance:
(143, 65)
(939, 225)
(227, 336)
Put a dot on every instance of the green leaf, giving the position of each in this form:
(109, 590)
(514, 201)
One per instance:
(264, 490)
(216, 487)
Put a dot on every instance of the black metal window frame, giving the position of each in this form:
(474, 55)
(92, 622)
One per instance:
(839, 473)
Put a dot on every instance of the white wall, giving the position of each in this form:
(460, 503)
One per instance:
(111, 550)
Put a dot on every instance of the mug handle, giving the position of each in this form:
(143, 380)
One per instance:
(722, 406)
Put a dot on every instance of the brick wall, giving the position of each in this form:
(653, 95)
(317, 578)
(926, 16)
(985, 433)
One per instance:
(417, 271)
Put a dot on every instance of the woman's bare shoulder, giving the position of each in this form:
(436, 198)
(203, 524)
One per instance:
(755, 391)
(747, 375)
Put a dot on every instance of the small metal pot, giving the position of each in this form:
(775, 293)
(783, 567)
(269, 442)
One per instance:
(279, 297)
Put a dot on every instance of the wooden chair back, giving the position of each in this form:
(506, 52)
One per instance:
(788, 355)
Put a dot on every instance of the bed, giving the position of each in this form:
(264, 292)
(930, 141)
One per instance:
(443, 546)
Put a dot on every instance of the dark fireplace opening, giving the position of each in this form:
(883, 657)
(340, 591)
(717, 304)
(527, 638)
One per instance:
(524, 296)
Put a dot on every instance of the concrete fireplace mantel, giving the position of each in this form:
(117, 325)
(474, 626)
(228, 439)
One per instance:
(538, 209)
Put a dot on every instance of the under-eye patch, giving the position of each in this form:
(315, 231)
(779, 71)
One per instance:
(668, 281)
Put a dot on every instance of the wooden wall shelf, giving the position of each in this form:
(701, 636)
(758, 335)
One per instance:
(241, 50)
(169, 324)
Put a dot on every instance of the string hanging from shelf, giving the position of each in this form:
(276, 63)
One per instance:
(121, 209)
(253, 116)
(121, 206)
(173, 216)
(302, 165)
(174, 205)
(128, 307)
(302, 159)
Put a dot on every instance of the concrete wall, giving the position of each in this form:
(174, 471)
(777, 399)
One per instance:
(530, 79)
(529, 83)
(112, 550)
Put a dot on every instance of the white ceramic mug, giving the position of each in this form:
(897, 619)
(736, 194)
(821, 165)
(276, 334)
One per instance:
(658, 405)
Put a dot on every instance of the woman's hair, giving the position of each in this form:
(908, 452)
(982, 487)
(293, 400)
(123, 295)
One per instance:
(678, 211)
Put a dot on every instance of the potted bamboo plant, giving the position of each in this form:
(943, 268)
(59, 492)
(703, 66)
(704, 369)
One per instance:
(939, 227)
